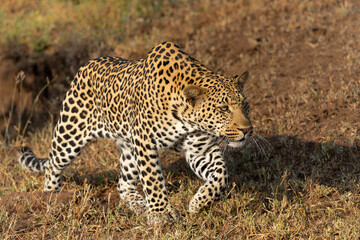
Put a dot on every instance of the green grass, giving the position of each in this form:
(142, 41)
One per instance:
(45, 25)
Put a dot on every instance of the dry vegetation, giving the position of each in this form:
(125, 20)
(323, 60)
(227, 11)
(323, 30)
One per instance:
(300, 181)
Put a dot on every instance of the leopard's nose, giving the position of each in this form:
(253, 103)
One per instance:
(246, 130)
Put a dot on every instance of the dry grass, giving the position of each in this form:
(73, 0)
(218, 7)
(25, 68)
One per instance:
(297, 189)
(303, 182)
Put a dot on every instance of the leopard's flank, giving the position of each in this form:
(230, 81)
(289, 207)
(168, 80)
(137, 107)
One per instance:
(166, 100)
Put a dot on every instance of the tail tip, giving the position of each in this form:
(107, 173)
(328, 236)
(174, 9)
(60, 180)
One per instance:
(25, 150)
(29, 161)
(23, 153)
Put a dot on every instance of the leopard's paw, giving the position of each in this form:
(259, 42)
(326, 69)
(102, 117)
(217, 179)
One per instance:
(169, 215)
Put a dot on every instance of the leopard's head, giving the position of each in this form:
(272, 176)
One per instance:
(221, 108)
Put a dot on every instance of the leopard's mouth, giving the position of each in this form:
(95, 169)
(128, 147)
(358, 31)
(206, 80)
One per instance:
(236, 139)
(233, 142)
(237, 144)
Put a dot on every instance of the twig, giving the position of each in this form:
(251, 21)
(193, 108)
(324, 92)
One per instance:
(18, 80)
(48, 82)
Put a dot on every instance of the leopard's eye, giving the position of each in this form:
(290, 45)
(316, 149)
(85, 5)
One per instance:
(224, 108)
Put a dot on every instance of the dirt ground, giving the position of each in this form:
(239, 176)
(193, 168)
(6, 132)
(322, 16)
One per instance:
(304, 92)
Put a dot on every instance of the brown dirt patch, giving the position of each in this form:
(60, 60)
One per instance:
(25, 205)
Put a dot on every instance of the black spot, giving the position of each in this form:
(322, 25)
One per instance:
(73, 132)
(83, 114)
(148, 183)
(73, 119)
(81, 126)
(74, 110)
(64, 118)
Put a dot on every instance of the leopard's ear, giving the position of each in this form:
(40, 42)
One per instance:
(241, 80)
(194, 94)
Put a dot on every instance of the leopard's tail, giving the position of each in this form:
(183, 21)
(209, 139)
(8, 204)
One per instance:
(31, 163)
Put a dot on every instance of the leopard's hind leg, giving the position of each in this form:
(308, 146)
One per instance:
(74, 129)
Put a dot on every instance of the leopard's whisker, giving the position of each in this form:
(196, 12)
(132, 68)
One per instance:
(259, 146)
(266, 142)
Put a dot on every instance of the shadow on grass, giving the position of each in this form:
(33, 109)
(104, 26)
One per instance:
(288, 165)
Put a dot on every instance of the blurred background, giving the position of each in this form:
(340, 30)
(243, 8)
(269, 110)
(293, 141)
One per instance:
(303, 56)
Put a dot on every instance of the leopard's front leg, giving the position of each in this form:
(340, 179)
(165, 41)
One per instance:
(205, 158)
(128, 180)
(159, 208)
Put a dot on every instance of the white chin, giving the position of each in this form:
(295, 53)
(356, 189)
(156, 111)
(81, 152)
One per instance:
(239, 144)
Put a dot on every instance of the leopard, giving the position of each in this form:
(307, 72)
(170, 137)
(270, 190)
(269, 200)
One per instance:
(167, 99)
